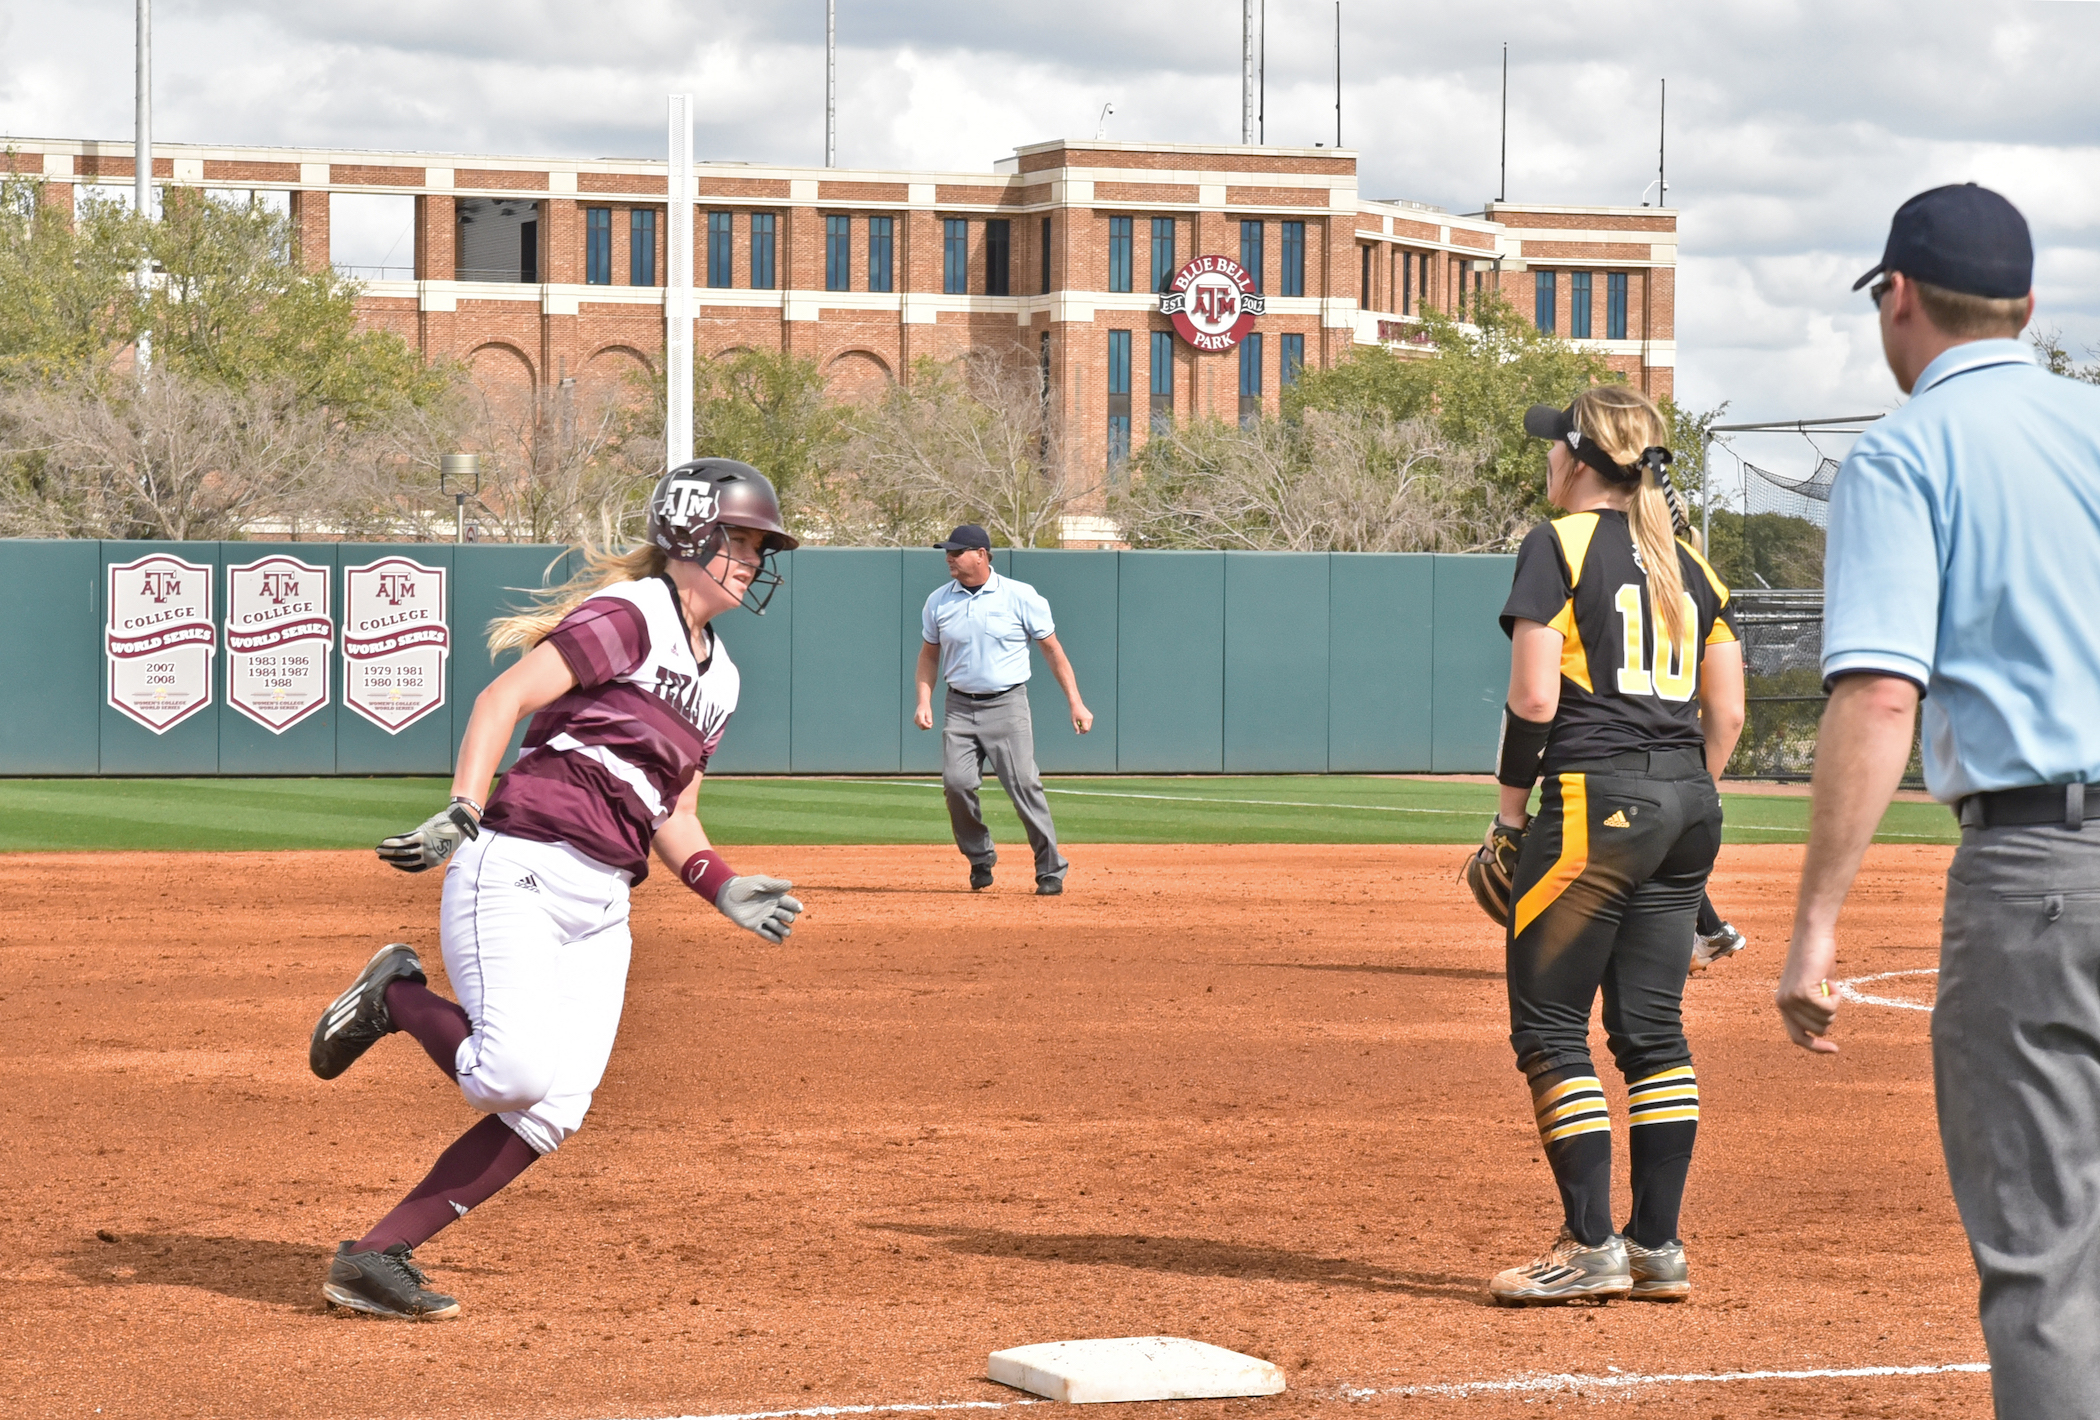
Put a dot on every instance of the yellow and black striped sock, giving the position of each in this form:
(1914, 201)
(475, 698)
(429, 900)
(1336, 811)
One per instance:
(1575, 1126)
(1663, 1120)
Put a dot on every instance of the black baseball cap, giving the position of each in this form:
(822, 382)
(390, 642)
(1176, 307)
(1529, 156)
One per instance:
(1543, 421)
(967, 536)
(1961, 237)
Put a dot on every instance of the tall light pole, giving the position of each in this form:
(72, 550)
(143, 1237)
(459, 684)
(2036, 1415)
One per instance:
(678, 288)
(142, 159)
(831, 83)
(1246, 71)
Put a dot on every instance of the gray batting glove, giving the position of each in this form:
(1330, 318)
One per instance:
(433, 841)
(760, 904)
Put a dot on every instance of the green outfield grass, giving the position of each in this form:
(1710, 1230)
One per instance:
(223, 814)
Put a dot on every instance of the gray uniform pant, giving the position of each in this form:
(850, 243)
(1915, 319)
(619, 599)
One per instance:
(998, 733)
(2016, 1064)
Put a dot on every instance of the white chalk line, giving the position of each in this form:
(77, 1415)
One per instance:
(1306, 804)
(1847, 989)
(1620, 1380)
(1564, 1381)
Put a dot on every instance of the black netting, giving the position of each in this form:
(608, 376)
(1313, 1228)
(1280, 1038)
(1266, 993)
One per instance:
(1806, 498)
(1782, 635)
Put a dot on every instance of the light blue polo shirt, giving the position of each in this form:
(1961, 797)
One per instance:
(984, 635)
(1964, 555)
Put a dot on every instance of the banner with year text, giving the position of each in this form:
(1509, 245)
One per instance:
(278, 636)
(395, 641)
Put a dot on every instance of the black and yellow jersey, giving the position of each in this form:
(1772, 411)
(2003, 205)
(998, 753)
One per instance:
(1623, 686)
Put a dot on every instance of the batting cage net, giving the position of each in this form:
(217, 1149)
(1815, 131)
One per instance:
(1782, 635)
(1805, 498)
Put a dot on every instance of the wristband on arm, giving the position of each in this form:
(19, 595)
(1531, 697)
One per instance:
(1522, 746)
(706, 873)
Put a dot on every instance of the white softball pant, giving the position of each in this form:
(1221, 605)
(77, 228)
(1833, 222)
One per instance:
(536, 946)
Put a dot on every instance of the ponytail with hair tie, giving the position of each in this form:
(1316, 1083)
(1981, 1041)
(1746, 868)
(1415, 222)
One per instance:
(1657, 460)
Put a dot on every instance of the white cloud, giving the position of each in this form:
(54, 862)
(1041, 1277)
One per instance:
(1795, 128)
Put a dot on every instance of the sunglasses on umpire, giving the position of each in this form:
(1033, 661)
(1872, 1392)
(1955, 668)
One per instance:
(1879, 289)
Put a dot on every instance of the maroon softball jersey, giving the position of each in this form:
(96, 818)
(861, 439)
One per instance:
(603, 766)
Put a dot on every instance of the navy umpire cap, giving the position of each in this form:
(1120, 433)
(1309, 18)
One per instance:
(964, 538)
(1963, 238)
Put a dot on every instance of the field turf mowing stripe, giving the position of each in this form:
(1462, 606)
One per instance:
(232, 814)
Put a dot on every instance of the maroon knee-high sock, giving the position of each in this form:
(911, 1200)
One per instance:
(471, 1171)
(437, 1024)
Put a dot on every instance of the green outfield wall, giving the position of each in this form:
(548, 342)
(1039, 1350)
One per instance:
(1192, 662)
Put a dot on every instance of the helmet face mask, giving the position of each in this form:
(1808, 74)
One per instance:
(692, 508)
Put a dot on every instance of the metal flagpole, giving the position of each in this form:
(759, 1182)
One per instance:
(142, 160)
(678, 289)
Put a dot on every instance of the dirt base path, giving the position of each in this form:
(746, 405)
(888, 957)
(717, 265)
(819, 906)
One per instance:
(1258, 1096)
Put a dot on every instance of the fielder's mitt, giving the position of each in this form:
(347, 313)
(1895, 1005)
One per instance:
(1492, 870)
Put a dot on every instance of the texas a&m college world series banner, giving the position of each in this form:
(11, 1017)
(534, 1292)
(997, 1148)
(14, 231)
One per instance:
(159, 640)
(395, 643)
(278, 636)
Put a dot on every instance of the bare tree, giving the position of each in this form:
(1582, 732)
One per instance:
(969, 441)
(176, 457)
(1354, 480)
(558, 465)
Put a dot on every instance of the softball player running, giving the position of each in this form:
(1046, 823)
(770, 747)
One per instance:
(1626, 690)
(629, 690)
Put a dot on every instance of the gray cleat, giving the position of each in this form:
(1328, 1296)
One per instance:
(1659, 1273)
(1569, 1272)
(385, 1284)
(355, 1020)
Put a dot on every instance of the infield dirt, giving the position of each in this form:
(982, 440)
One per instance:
(1257, 1096)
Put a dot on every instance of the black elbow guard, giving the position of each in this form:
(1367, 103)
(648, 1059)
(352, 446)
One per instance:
(1522, 746)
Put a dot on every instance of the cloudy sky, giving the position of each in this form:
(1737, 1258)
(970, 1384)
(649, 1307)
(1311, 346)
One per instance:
(1794, 128)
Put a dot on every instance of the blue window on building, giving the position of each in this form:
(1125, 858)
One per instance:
(838, 253)
(1578, 305)
(641, 247)
(1292, 282)
(762, 251)
(1292, 349)
(1163, 263)
(1542, 300)
(1043, 251)
(998, 256)
(1407, 282)
(720, 247)
(1162, 379)
(1119, 241)
(1118, 396)
(882, 257)
(955, 256)
(597, 246)
(1615, 305)
(1250, 250)
(1250, 377)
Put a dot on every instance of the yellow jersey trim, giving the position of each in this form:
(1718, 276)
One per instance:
(1708, 568)
(1574, 659)
(1574, 852)
(1575, 532)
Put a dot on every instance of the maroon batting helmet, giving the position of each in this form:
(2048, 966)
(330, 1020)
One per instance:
(692, 505)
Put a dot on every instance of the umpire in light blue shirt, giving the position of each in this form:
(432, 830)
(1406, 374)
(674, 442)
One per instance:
(977, 628)
(1963, 566)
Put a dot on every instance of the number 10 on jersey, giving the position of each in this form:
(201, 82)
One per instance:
(1674, 673)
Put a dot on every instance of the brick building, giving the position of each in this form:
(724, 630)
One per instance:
(535, 270)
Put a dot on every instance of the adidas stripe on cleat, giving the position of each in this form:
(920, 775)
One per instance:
(1571, 1271)
(355, 1020)
(1706, 950)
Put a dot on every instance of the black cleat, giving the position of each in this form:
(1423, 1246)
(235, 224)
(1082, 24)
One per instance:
(1049, 887)
(980, 876)
(358, 1017)
(385, 1284)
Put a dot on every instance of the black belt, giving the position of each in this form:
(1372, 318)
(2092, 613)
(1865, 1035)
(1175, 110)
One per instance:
(988, 695)
(1639, 761)
(2067, 804)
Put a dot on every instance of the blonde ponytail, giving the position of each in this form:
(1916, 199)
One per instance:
(1625, 424)
(524, 630)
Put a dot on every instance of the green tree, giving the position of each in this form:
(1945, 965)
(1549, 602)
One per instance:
(1765, 550)
(1472, 385)
(234, 306)
(66, 287)
(770, 409)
